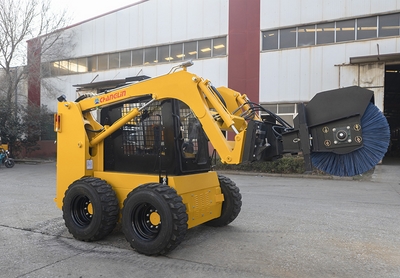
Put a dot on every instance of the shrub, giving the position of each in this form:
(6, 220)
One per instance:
(285, 165)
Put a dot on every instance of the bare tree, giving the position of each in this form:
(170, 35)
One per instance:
(23, 21)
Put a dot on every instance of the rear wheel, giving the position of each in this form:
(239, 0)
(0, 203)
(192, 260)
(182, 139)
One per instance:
(9, 163)
(154, 219)
(90, 209)
(232, 203)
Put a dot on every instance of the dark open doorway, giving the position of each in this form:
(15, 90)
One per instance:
(392, 109)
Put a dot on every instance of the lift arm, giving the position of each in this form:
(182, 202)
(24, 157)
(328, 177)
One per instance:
(216, 111)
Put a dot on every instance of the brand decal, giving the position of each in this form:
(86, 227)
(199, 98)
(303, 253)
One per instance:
(108, 97)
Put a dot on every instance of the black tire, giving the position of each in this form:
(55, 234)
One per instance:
(9, 163)
(154, 219)
(232, 203)
(90, 209)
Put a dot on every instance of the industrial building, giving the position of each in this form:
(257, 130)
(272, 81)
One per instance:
(279, 53)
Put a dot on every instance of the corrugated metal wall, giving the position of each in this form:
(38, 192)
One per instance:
(293, 12)
(150, 23)
(153, 22)
(297, 74)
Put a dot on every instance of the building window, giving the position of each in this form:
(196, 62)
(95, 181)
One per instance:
(204, 49)
(157, 54)
(102, 62)
(63, 67)
(366, 28)
(288, 38)
(82, 65)
(326, 33)
(332, 32)
(287, 111)
(92, 63)
(286, 108)
(345, 30)
(306, 35)
(125, 59)
(190, 49)
(389, 25)
(270, 40)
(150, 56)
(72, 66)
(163, 54)
(137, 57)
(177, 52)
(288, 119)
(113, 61)
(271, 107)
(219, 47)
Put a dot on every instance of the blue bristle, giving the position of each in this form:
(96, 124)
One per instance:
(376, 137)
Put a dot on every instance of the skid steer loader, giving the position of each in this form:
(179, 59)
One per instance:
(137, 151)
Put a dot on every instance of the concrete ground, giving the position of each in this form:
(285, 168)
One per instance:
(288, 227)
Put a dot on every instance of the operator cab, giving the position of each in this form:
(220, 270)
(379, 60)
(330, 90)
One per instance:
(165, 138)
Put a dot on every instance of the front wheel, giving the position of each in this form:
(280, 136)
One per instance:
(9, 163)
(232, 203)
(90, 209)
(154, 219)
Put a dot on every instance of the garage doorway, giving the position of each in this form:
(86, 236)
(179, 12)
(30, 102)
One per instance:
(392, 109)
(384, 80)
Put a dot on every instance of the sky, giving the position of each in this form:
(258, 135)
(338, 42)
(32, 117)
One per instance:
(80, 10)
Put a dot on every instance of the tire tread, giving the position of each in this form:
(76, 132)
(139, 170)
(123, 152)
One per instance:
(231, 211)
(178, 211)
(109, 205)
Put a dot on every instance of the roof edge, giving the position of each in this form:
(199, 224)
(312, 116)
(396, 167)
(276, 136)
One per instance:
(90, 19)
(107, 13)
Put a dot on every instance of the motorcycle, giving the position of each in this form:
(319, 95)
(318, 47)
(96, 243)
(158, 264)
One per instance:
(6, 159)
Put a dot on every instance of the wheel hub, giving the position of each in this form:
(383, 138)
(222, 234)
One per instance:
(89, 208)
(155, 218)
(82, 211)
(146, 221)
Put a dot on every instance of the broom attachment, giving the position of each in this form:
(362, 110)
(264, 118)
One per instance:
(340, 132)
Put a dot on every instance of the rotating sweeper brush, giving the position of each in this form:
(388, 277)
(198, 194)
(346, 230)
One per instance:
(340, 132)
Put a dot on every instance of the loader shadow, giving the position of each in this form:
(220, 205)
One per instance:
(203, 235)
(196, 236)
